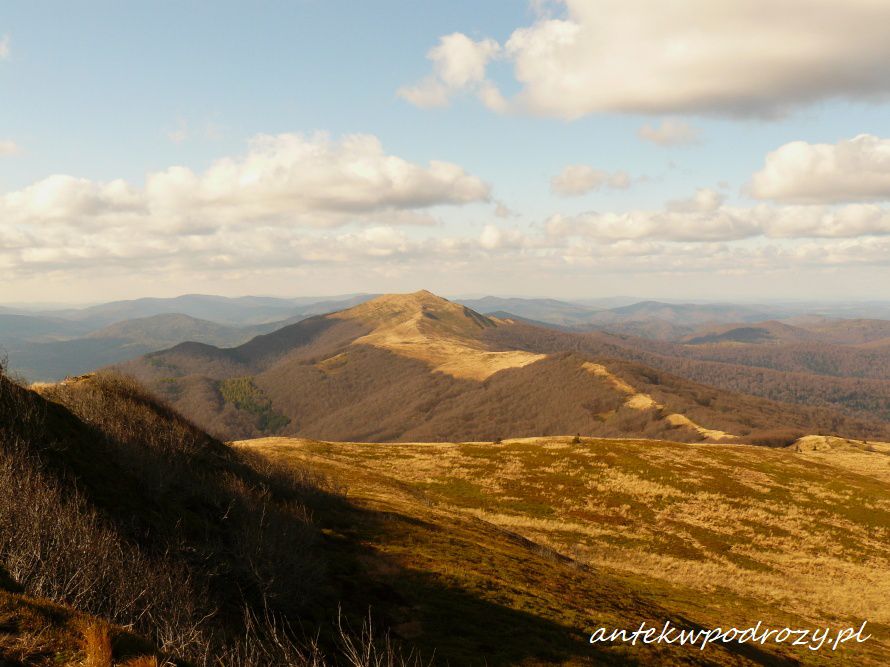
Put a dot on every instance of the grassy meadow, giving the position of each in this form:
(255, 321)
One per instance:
(534, 543)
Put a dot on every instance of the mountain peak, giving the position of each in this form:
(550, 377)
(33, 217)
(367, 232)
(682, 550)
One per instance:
(444, 334)
(422, 307)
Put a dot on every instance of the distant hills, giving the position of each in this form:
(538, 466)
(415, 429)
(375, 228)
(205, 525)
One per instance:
(236, 311)
(793, 353)
(652, 319)
(419, 367)
(50, 345)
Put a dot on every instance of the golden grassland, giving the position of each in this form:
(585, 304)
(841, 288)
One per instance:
(614, 531)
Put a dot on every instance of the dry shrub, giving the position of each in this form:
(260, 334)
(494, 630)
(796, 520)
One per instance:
(365, 649)
(130, 513)
(118, 507)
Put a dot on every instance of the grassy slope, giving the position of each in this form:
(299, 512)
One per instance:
(518, 549)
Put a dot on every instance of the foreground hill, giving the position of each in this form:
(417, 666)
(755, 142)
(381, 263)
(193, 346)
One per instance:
(419, 367)
(114, 506)
(590, 533)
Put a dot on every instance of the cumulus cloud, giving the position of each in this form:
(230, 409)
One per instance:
(8, 147)
(459, 63)
(689, 56)
(670, 132)
(284, 179)
(312, 181)
(853, 170)
(264, 207)
(578, 179)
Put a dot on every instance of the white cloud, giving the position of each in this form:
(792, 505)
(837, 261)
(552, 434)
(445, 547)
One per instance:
(670, 132)
(285, 179)
(853, 170)
(4, 47)
(8, 147)
(68, 199)
(703, 219)
(758, 57)
(274, 208)
(459, 63)
(245, 211)
(578, 179)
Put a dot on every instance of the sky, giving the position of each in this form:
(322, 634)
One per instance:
(700, 149)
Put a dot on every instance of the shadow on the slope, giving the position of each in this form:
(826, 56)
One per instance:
(448, 623)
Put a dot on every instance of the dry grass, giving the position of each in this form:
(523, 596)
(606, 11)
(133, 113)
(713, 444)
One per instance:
(97, 645)
(717, 533)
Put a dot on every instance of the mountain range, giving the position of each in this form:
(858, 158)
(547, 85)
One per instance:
(420, 367)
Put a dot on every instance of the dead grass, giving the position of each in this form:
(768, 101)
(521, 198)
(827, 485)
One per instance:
(97, 645)
(713, 532)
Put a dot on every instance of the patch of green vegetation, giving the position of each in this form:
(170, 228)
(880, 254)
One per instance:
(245, 395)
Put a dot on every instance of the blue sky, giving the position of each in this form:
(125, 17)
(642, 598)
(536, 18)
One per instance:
(103, 92)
